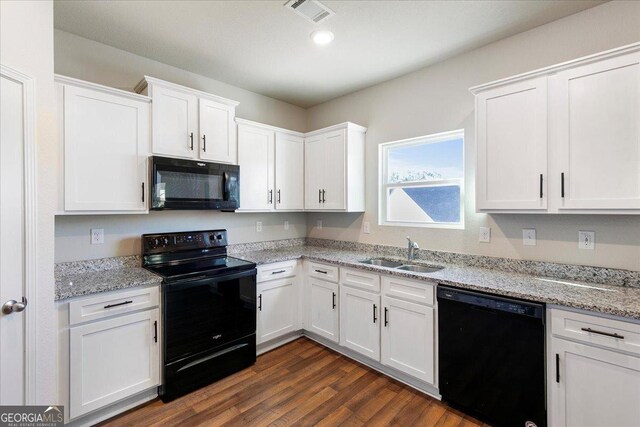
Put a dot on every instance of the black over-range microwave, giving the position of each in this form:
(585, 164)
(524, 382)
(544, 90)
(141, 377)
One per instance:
(194, 184)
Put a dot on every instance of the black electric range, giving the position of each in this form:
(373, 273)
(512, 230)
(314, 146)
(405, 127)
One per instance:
(209, 308)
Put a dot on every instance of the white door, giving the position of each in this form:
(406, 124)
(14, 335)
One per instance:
(12, 244)
(360, 321)
(334, 170)
(596, 125)
(594, 387)
(277, 308)
(313, 172)
(175, 123)
(408, 338)
(112, 359)
(106, 140)
(511, 171)
(289, 172)
(256, 160)
(323, 309)
(217, 132)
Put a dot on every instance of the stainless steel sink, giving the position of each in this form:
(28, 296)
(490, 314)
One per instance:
(381, 262)
(420, 268)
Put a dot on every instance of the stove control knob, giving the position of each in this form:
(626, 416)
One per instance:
(152, 242)
(165, 241)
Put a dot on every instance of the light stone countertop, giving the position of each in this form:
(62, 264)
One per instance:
(93, 282)
(614, 300)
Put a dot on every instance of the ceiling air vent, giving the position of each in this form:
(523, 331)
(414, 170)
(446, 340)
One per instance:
(311, 10)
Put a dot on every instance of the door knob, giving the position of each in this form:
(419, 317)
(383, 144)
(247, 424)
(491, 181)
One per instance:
(13, 306)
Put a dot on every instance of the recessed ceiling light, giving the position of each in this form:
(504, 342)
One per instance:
(322, 37)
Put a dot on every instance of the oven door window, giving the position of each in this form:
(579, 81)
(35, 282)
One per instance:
(207, 313)
(186, 185)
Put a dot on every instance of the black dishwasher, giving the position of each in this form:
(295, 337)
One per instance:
(492, 357)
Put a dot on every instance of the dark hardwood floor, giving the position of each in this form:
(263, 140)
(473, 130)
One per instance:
(301, 383)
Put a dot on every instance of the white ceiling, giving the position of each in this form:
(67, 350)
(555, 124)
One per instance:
(265, 48)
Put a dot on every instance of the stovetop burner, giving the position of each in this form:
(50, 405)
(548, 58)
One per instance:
(205, 266)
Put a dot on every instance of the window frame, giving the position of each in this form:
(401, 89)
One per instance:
(384, 186)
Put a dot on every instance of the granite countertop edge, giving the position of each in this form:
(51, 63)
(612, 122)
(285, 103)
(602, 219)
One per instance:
(607, 299)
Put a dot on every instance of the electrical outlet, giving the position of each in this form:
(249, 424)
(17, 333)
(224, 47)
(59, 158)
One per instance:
(259, 226)
(97, 236)
(319, 224)
(529, 236)
(586, 240)
(286, 225)
(366, 227)
(485, 234)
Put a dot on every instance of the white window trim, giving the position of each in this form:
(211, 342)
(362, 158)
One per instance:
(383, 186)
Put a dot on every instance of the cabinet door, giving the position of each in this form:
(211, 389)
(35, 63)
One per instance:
(277, 308)
(360, 321)
(596, 125)
(256, 160)
(594, 387)
(334, 170)
(313, 171)
(323, 308)
(112, 359)
(106, 143)
(408, 338)
(175, 123)
(511, 129)
(289, 172)
(217, 132)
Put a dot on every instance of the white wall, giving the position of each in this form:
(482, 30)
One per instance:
(95, 62)
(26, 44)
(436, 99)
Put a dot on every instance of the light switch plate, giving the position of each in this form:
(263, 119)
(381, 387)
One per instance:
(319, 224)
(529, 236)
(286, 225)
(366, 227)
(586, 240)
(97, 236)
(485, 234)
(259, 226)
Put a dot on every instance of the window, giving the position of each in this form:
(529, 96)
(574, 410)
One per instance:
(422, 181)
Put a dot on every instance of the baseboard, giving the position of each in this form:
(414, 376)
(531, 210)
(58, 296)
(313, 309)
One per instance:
(421, 386)
(114, 409)
(278, 342)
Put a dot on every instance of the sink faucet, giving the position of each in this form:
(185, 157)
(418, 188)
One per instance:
(412, 248)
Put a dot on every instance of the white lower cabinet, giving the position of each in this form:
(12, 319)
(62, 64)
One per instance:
(277, 308)
(408, 338)
(112, 359)
(593, 371)
(360, 321)
(323, 309)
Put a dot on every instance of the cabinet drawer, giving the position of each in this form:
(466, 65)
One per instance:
(360, 279)
(412, 290)
(276, 270)
(324, 271)
(112, 303)
(609, 333)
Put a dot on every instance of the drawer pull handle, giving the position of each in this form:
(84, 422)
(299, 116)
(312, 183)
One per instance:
(607, 334)
(118, 304)
(320, 271)
(278, 272)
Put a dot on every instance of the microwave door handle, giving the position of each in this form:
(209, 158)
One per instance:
(226, 185)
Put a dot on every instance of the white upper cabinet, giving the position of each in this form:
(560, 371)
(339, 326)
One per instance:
(105, 142)
(271, 168)
(289, 176)
(189, 123)
(564, 139)
(256, 160)
(334, 168)
(217, 132)
(597, 133)
(512, 146)
(175, 123)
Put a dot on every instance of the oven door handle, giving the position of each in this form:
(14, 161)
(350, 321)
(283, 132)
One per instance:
(198, 281)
